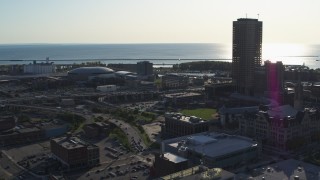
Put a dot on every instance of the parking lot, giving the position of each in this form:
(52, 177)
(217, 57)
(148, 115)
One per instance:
(141, 106)
(130, 168)
(111, 149)
(153, 130)
(18, 153)
(126, 166)
(34, 157)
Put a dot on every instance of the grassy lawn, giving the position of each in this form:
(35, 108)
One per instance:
(145, 139)
(203, 113)
(148, 117)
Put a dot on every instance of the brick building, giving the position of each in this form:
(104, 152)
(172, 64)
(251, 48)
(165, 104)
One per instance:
(177, 125)
(74, 153)
(96, 129)
(23, 135)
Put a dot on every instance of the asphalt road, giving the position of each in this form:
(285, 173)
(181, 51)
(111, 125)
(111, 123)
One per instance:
(130, 131)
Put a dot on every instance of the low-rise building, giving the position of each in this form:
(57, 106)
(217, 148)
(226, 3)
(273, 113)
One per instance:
(174, 81)
(168, 163)
(213, 149)
(107, 88)
(182, 99)
(7, 123)
(74, 153)
(22, 135)
(53, 129)
(197, 81)
(39, 68)
(67, 102)
(96, 129)
(146, 86)
(177, 125)
(200, 172)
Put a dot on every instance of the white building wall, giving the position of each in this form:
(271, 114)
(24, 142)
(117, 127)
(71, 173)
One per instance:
(39, 68)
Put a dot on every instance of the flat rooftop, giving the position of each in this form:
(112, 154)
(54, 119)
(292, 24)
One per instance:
(174, 158)
(70, 142)
(196, 173)
(28, 130)
(287, 169)
(181, 95)
(181, 117)
(211, 144)
(238, 110)
(51, 125)
(283, 111)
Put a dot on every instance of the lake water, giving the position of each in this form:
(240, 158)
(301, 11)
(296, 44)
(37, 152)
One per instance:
(294, 54)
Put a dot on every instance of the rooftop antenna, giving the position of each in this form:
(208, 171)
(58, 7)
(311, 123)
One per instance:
(258, 16)
(246, 16)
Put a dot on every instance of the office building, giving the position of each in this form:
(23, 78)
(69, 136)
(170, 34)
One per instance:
(269, 81)
(177, 125)
(74, 153)
(274, 75)
(246, 53)
(144, 68)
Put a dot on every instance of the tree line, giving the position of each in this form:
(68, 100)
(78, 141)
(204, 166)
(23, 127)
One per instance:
(204, 66)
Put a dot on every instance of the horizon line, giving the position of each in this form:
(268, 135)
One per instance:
(88, 43)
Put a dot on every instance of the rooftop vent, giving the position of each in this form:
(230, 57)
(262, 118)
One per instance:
(269, 169)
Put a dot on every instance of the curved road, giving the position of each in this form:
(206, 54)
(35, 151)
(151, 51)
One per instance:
(131, 132)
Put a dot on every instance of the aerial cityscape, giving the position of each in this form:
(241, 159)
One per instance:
(84, 109)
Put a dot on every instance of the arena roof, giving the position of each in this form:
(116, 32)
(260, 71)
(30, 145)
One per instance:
(91, 70)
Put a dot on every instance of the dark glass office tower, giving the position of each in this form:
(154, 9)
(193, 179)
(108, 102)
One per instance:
(246, 53)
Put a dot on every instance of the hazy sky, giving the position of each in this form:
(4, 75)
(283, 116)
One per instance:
(154, 21)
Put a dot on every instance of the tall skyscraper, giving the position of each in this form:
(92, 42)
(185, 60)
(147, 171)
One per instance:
(246, 53)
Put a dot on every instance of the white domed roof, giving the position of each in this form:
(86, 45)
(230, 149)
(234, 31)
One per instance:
(91, 70)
